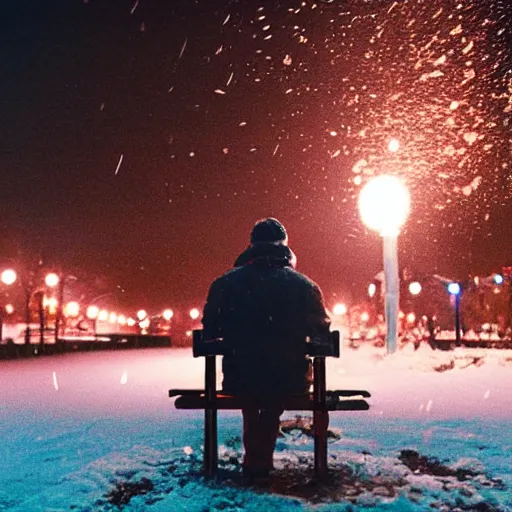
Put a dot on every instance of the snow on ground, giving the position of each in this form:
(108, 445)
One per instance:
(96, 431)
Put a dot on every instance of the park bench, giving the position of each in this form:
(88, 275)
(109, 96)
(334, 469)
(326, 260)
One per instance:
(320, 401)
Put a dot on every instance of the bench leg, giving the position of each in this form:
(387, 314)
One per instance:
(210, 419)
(320, 425)
(210, 442)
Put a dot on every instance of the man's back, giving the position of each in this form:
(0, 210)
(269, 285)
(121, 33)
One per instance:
(265, 309)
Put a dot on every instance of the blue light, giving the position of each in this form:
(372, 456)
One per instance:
(454, 288)
(498, 279)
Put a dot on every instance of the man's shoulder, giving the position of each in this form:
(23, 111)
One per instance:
(227, 276)
(288, 273)
(299, 277)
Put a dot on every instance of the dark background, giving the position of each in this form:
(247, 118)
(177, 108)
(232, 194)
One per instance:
(83, 83)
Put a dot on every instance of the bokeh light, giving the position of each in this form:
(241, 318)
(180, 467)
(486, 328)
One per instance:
(8, 276)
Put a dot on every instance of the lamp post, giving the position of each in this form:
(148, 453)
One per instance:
(8, 277)
(455, 290)
(384, 204)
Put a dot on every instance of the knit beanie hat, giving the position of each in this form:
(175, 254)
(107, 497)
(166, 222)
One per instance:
(269, 231)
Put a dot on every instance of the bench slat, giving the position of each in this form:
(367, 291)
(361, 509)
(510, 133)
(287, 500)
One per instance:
(292, 403)
(338, 392)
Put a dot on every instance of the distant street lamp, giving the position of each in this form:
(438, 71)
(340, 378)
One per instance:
(455, 290)
(8, 276)
(168, 314)
(384, 204)
(9, 309)
(339, 309)
(72, 309)
(194, 313)
(141, 314)
(52, 279)
(415, 288)
(92, 312)
(372, 288)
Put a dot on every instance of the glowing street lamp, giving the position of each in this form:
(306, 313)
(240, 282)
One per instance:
(339, 309)
(51, 280)
(72, 309)
(141, 314)
(92, 312)
(498, 279)
(194, 313)
(103, 315)
(455, 290)
(415, 288)
(8, 276)
(384, 204)
(168, 314)
(372, 288)
(9, 309)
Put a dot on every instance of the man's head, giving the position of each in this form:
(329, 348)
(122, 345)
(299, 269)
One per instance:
(269, 231)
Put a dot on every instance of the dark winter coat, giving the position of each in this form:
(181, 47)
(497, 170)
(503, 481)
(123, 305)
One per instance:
(265, 309)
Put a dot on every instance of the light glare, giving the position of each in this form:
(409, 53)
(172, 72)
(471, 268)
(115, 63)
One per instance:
(454, 288)
(92, 312)
(8, 276)
(339, 309)
(72, 309)
(51, 279)
(414, 288)
(384, 204)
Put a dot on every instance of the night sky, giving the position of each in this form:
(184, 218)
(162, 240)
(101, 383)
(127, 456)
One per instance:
(141, 140)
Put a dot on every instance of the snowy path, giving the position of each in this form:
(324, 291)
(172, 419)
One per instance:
(73, 426)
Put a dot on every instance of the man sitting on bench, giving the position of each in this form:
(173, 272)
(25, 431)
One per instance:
(265, 310)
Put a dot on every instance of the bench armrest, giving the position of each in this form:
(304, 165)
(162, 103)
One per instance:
(203, 348)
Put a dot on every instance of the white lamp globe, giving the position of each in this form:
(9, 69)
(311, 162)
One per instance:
(93, 312)
(8, 276)
(415, 288)
(339, 309)
(51, 279)
(384, 203)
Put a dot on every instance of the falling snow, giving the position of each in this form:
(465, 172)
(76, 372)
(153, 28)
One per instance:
(338, 92)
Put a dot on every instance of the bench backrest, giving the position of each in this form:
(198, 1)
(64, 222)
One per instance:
(315, 347)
